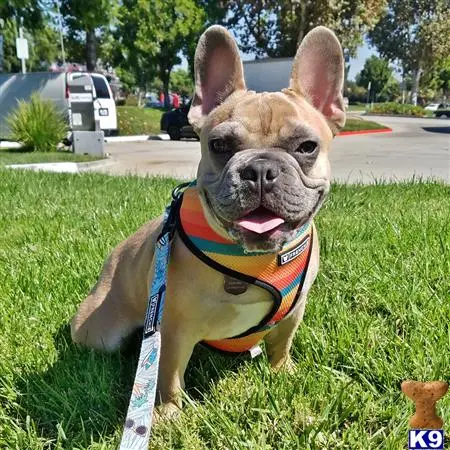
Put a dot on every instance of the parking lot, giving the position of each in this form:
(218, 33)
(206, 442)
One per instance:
(415, 148)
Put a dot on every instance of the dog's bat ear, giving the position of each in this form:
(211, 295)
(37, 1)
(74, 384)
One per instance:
(218, 73)
(318, 74)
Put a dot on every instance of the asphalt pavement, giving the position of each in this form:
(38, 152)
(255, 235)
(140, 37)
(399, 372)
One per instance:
(416, 148)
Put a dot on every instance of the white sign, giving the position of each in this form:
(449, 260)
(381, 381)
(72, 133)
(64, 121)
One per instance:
(22, 48)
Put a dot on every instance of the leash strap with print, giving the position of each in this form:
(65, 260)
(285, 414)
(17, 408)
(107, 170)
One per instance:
(138, 423)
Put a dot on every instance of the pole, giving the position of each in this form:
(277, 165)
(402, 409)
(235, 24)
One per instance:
(24, 69)
(368, 93)
(61, 40)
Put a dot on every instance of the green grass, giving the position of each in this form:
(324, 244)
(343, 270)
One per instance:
(360, 124)
(19, 156)
(378, 314)
(357, 107)
(134, 120)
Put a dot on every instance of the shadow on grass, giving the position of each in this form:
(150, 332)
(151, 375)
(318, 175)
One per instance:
(83, 396)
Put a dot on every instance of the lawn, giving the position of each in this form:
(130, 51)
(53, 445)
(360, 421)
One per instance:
(360, 124)
(357, 107)
(19, 156)
(378, 314)
(133, 120)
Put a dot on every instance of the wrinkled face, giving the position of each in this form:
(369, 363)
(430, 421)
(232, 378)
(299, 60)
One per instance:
(264, 170)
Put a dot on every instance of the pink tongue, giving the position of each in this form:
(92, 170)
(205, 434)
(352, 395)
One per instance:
(260, 222)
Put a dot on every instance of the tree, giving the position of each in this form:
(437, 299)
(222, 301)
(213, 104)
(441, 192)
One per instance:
(182, 83)
(413, 33)
(42, 43)
(377, 72)
(153, 35)
(273, 28)
(436, 81)
(85, 19)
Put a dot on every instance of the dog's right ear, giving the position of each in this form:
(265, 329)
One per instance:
(218, 73)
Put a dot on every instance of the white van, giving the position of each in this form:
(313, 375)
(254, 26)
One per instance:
(104, 105)
(54, 86)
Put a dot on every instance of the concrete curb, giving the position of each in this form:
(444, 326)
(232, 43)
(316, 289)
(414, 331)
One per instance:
(138, 138)
(378, 130)
(398, 115)
(63, 167)
(10, 144)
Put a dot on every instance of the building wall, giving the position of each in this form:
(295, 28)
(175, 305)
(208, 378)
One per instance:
(268, 75)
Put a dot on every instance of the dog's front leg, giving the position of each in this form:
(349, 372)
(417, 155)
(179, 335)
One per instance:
(279, 340)
(176, 350)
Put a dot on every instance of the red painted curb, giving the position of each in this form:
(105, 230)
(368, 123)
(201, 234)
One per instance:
(378, 130)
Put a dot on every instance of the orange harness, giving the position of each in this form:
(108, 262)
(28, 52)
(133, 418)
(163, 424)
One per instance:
(281, 274)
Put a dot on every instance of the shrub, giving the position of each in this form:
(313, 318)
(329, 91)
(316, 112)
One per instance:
(37, 124)
(398, 108)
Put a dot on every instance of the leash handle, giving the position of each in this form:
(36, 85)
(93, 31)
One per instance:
(138, 423)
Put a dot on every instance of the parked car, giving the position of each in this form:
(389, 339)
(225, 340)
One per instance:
(175, 123)
(104, 104)
(54, 86)
(434, 106)
(443, 112)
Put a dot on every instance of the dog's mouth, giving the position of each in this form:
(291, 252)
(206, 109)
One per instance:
(260, 221)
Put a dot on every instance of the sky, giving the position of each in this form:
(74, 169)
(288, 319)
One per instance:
(356, 64)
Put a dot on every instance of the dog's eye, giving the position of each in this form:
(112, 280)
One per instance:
(307, 147)
(219, 146)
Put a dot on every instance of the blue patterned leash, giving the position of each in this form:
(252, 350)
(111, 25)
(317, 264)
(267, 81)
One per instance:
(138, 423)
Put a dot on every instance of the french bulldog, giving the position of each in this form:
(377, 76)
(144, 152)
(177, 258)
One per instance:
(264, 173)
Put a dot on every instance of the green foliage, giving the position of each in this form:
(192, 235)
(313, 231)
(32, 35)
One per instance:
(276, 28)
(43, 46)
(377, 315)
(151, 35)
(37, 124)
(413, 33)
(355, 93)
(398, 108)
(435, 82)
(84, 19)
(391, 91)
(182, 83)
(377, 72)
(133, 120)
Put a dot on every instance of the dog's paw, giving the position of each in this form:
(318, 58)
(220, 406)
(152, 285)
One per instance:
(167, 411)
(284, 364)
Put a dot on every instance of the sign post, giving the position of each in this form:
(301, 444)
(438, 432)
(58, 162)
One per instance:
(22, 49)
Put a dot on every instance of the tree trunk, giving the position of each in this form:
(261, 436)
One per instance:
(166, 90)
(415, 87)
(302, 25)
(91, 51)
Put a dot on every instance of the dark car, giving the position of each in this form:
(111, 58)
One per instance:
(175, 124)
(443, 112)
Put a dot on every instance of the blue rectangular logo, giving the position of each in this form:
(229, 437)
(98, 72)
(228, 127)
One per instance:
(426, 439)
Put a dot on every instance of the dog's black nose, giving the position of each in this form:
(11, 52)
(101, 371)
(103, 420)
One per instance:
(261, 174)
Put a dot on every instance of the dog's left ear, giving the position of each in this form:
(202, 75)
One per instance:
(318, 74)
(218, 73)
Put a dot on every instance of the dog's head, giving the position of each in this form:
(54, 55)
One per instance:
(264, 170)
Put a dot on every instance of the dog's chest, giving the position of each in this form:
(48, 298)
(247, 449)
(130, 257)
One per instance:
(197, 295)
(235, 314)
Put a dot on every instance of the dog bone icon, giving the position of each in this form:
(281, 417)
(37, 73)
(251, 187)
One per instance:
(425, 396)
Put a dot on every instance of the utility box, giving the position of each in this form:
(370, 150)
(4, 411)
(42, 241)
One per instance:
(87, 138)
